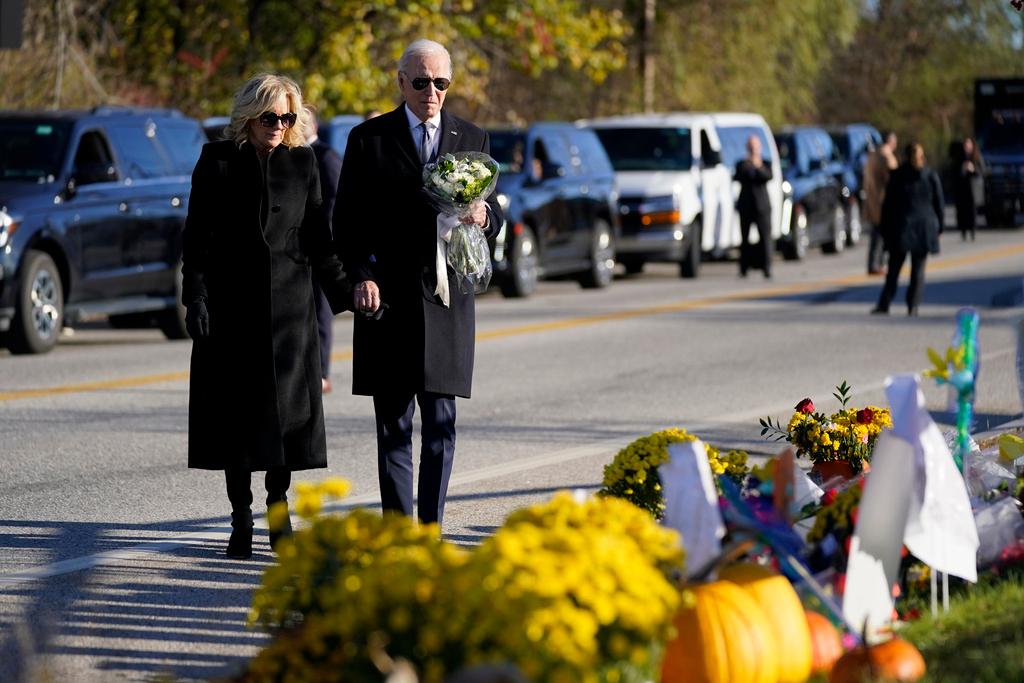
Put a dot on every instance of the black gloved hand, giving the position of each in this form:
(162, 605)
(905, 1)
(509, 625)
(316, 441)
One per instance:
(197, 320)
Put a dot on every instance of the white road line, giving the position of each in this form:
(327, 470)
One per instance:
(219, 532)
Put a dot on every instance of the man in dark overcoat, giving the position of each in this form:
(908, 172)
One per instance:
(420, 348)
(755, 208)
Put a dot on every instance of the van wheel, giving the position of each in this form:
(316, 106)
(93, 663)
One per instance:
(795, 248)
(39, 312)
(172, 320)
(689, 267)
(837, 243)
(522, 279)
(602, 257)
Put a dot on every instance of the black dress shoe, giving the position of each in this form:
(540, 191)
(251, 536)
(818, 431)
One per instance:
(240, 543)
(878, 310)
(912, 311)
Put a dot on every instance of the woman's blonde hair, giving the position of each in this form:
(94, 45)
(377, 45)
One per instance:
(258, 96)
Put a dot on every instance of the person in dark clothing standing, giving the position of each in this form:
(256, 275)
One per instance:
(255, 230)
(967, 174)
(912, 217)
(755, 208)
(329, 164)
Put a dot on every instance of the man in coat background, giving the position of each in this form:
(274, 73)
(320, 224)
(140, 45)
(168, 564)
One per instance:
(417, 349)
(329, 164)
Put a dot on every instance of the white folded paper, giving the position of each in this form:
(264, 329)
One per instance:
(691, 502)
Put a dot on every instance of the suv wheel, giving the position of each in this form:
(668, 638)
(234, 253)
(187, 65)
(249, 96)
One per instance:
(837, 242)
(602, 257)
(39, 314)
(172, 320)
(689, 267)
(795, 247)
(522, 279)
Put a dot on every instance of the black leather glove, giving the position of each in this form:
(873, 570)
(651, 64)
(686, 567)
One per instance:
(197, 320)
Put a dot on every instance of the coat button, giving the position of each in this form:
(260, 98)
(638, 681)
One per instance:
(275, 208)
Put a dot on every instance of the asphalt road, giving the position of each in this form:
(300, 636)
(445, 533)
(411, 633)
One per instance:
(111, 550)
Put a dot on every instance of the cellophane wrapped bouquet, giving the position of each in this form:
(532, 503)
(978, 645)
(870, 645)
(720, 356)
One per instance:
(456, 183)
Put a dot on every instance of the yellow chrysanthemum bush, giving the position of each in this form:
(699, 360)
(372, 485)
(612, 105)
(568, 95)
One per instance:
(577, 591)
(565, 590)
(633, 473)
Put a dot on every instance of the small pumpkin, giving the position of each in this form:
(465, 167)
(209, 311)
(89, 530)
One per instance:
(780, 603)
(723, 637)
(893, 661)
(826, 645)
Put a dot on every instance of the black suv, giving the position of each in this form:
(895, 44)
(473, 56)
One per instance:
(557, 189)
(92, 205)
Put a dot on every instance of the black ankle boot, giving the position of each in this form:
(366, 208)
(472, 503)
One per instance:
(240, 543)
(279, 532)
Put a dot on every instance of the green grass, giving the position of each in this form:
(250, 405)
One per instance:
(980, 639)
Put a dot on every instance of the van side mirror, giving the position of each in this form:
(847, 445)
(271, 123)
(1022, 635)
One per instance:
(551, 170)
(711, 158)
(817, 164)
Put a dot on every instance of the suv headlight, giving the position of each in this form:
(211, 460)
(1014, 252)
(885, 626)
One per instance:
(7, 227)
(503, 201)
(659, 210)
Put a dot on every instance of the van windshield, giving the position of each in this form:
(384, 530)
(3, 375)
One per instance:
(508, 148)
(32, 150)
(647, 149)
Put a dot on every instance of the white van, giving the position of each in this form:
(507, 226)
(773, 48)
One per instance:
(674, 192)
(733, 130)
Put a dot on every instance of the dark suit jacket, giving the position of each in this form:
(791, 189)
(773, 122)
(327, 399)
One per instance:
(329, 164)
(753, 182)
(913, 211)
(254, 392)
(385, 231)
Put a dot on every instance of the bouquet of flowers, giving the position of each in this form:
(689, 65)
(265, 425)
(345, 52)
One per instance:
(847, 435)
(455, 184)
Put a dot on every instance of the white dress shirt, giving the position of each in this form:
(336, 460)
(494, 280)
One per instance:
(433, 129)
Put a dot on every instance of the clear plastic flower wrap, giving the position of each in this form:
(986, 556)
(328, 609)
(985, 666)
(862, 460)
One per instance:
(455, 184)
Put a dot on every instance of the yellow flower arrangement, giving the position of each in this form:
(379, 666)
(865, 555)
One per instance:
(565, 590)
(633, 473)
(848, 434)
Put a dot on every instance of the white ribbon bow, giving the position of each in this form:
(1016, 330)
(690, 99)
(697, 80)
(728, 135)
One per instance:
(445, 225)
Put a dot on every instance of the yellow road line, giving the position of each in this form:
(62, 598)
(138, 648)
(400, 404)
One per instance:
(566, 323)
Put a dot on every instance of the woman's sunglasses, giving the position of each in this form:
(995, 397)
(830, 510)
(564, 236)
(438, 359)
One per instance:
(439, 83)
(269, 119)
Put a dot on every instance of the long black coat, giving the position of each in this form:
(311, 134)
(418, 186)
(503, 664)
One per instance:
(913, 211)
(753, 200)
(385, 230)
(254, 394)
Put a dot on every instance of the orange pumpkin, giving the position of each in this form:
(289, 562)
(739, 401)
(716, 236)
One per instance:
(826, 645)
(724, 637)
(780, 603)
(894, 661)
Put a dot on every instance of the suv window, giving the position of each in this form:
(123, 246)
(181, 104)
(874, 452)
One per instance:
(142, 157)
(91, 157)
(509, 150)
(787, 151)
(647, 149)
(182, 143)
(557, 150)
(32, 150)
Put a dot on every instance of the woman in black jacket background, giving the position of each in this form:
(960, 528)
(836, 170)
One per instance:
(912, 218)
(255, 230)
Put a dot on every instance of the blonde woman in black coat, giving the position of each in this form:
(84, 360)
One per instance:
(255, 230)
(912, 218)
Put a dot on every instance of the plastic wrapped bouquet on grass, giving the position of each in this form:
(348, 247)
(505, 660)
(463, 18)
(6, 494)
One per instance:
(456, 183)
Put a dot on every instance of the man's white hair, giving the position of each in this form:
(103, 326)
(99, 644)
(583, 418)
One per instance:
(418, 49)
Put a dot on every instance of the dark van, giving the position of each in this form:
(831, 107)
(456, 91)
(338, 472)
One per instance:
(557, 189)
(92, 205)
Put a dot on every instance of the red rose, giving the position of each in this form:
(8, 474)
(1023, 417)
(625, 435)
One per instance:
(805, 406)
(865, 416)
(829, 496)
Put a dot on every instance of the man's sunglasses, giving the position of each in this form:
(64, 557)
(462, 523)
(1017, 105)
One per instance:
(439, 83)
(269, 119)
